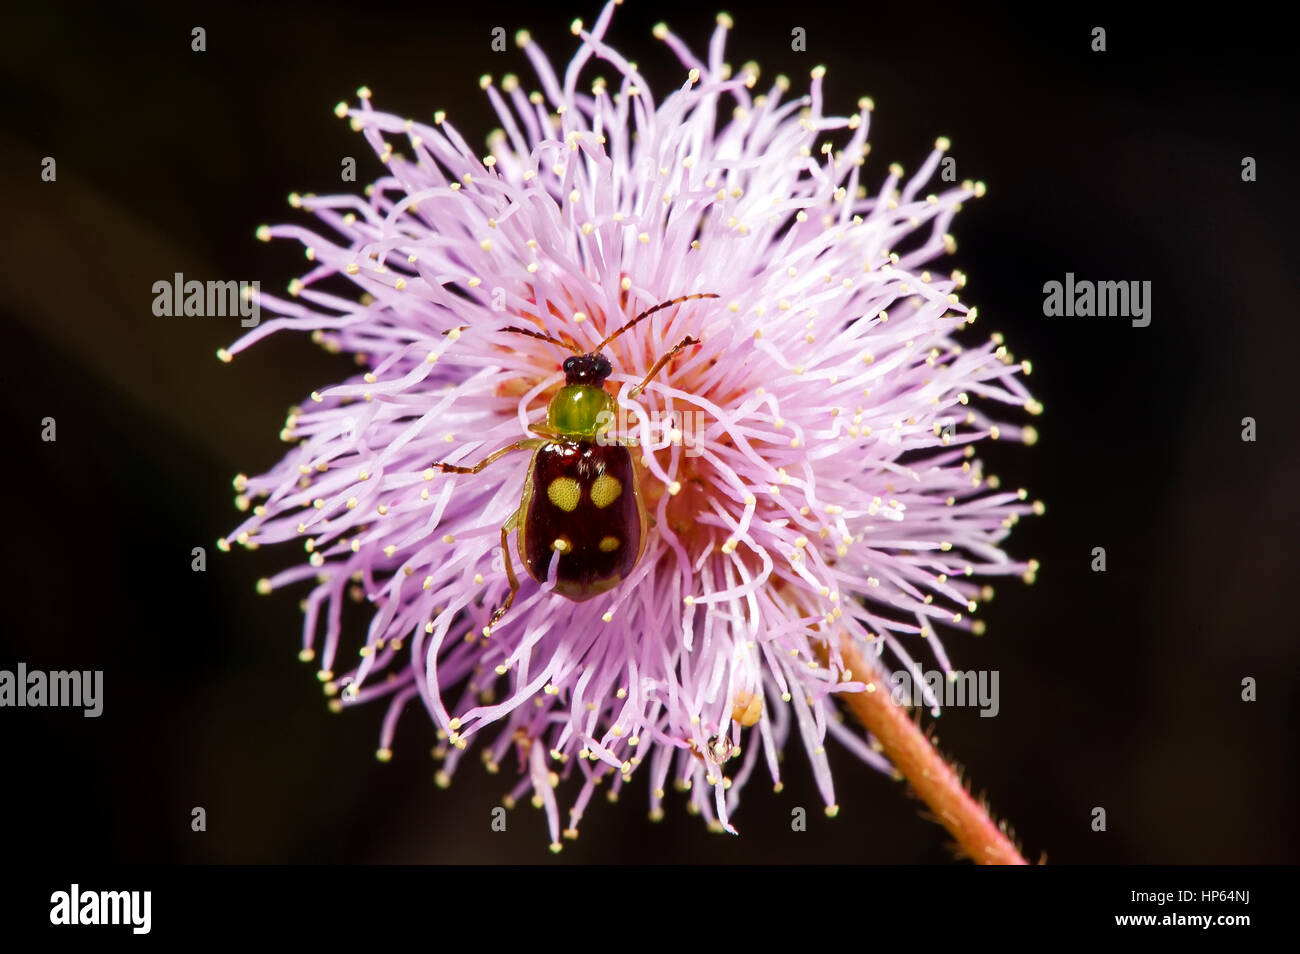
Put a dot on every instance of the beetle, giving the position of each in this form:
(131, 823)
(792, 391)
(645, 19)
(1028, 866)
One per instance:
(580, 503)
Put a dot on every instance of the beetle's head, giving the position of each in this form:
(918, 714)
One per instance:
(589, 369)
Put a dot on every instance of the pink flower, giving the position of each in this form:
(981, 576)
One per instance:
(808, 468)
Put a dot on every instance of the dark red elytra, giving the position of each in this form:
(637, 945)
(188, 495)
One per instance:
(581, 506)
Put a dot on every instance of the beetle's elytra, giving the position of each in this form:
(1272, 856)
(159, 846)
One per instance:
(580, 504)
(580, 500)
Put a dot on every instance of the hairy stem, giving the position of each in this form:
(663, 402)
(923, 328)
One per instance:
(933, 779)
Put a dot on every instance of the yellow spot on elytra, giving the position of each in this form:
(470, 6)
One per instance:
(605, 490)
(608, 544)
(565, 493)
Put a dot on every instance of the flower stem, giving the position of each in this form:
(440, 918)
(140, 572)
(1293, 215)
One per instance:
(934, 780)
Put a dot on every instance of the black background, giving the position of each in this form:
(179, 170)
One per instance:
(1120, 690)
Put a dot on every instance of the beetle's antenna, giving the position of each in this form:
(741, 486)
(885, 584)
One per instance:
(544, 337)
(648, 312)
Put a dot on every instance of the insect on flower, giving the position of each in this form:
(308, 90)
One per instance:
(581, 511)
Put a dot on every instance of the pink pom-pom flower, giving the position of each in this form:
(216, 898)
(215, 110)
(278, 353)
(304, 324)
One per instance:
(808, 469)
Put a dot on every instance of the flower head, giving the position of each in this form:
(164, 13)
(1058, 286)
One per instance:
(807, 468)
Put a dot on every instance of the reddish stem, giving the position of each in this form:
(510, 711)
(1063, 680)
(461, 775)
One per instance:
(933, 779)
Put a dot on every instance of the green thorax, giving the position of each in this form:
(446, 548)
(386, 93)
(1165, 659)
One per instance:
(580, 410)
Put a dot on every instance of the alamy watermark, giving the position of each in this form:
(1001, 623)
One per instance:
(180, 298)
(1088, 299)
(75, 906)
(676, 427)
(977, 688)
(36, 688)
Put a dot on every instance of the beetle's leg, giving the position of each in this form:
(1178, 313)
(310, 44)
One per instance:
(500, 611)
(659, 365)
(543, 431)
(531, 443)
